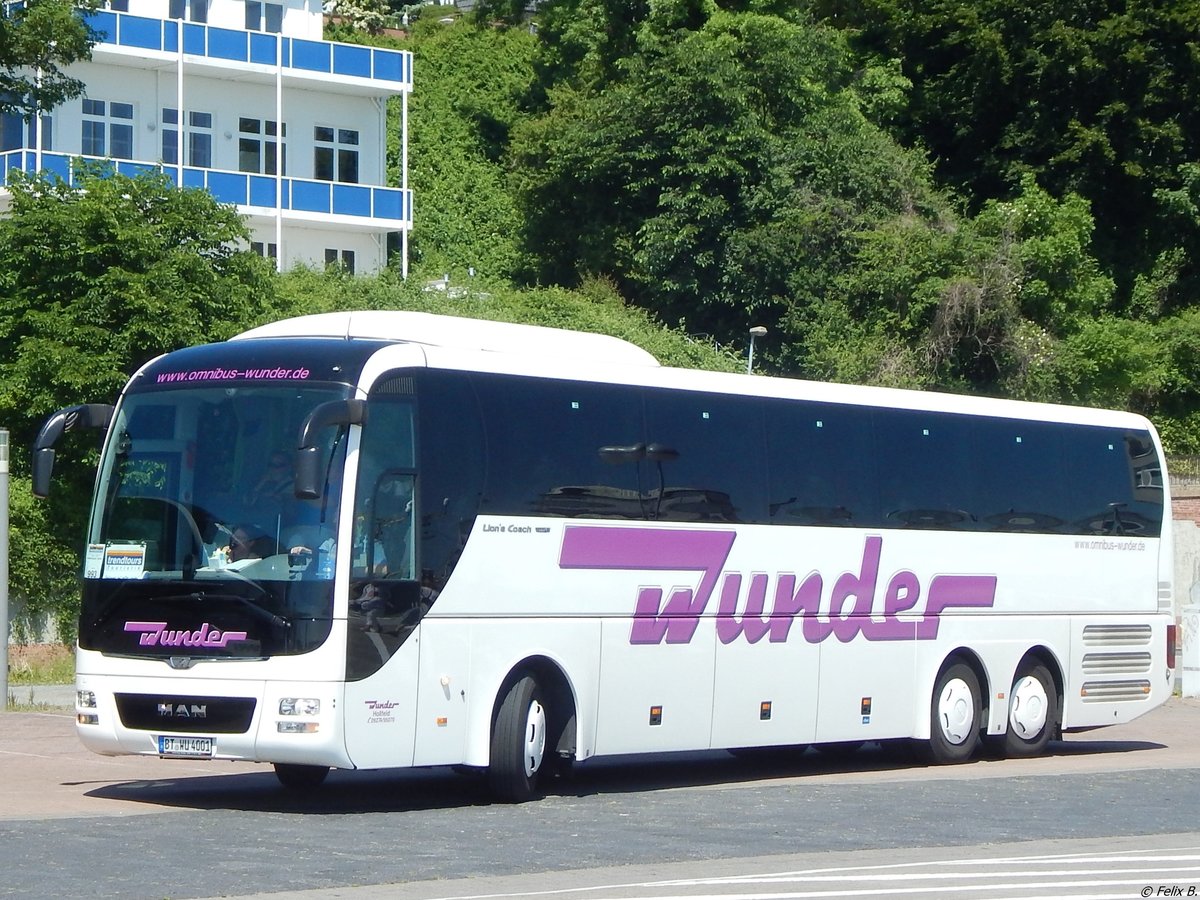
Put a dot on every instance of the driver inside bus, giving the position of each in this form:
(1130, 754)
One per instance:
(247, 543)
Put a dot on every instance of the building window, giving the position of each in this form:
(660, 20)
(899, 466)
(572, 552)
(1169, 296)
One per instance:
(266, 251)
(17, 132)
(107, 129)
(259, 147)
(335, 154)
(264, 16)
(118, 5)
(199, 136)
(192, 10)
(343, 259)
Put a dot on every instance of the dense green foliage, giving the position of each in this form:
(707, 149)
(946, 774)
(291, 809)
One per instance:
(459, 121)
(37, 39)
(1092, 98)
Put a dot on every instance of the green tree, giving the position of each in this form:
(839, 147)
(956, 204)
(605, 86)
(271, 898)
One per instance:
(472, 82)
(721, 176)
(1093, 98)
(37, 39)
(979, 303)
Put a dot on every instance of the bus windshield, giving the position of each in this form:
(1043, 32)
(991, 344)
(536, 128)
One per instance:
(197, 530)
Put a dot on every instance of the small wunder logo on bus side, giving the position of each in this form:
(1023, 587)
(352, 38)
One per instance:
(849, 613)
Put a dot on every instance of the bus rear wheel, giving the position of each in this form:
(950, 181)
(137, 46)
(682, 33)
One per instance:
(955, 715)
(297, 778)
(1032, 711)
(519, 742)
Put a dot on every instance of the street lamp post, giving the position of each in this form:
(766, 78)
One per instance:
(756, 332)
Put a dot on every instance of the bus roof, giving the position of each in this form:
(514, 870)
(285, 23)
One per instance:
(454, 332)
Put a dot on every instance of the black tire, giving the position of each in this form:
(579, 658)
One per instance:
(1032, 711)
(955, 717)
(298, 778)
(519, 744)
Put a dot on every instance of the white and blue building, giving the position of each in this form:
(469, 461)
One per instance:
(243, 98)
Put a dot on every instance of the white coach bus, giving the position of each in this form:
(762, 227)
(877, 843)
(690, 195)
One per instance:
(385, 539)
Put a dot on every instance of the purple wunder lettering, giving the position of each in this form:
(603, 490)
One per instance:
(946, 591)
(845, 625)
(151, 634)
(654, 550)
(792, 601)
(851, 603)
(752, 624)
(901, 595)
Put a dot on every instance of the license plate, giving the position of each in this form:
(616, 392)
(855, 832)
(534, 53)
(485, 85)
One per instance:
(185, 747)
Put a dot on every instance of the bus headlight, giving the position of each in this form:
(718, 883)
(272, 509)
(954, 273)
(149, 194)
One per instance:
(299, 706)
(86, 700)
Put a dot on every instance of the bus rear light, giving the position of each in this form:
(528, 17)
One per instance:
(1171, 636)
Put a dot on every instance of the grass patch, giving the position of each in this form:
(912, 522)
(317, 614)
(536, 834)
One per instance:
(40, 664)
(23, 701)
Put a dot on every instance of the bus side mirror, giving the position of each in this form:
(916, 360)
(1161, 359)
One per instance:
(309, 483)
(86, 415)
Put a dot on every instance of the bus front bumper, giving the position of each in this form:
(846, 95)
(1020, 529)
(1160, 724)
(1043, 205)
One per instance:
(253, 721)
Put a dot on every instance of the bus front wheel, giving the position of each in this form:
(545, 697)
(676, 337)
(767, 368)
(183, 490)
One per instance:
(295, 777)
(955, 714)
(518, 742)
(1032, 711)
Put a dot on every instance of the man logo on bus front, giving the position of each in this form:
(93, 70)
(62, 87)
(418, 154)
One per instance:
(851, 600)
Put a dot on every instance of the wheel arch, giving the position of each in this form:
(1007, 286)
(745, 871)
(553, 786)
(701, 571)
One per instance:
(563, 726)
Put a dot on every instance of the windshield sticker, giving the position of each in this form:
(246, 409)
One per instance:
(156, 634)
(93, 562)
(124, 560)
(219, 374)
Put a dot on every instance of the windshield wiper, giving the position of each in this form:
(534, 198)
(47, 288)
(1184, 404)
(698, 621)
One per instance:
(114, 602)
(274, 619)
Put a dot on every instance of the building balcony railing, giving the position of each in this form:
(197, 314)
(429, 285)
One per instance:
(368, 207)
(391, 69)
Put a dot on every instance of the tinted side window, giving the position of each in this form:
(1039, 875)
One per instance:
(451, 471)
(1020, 483)
(711, 465)
(544, 442)
(926, 473)
(1109, 476)
(822, 465)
